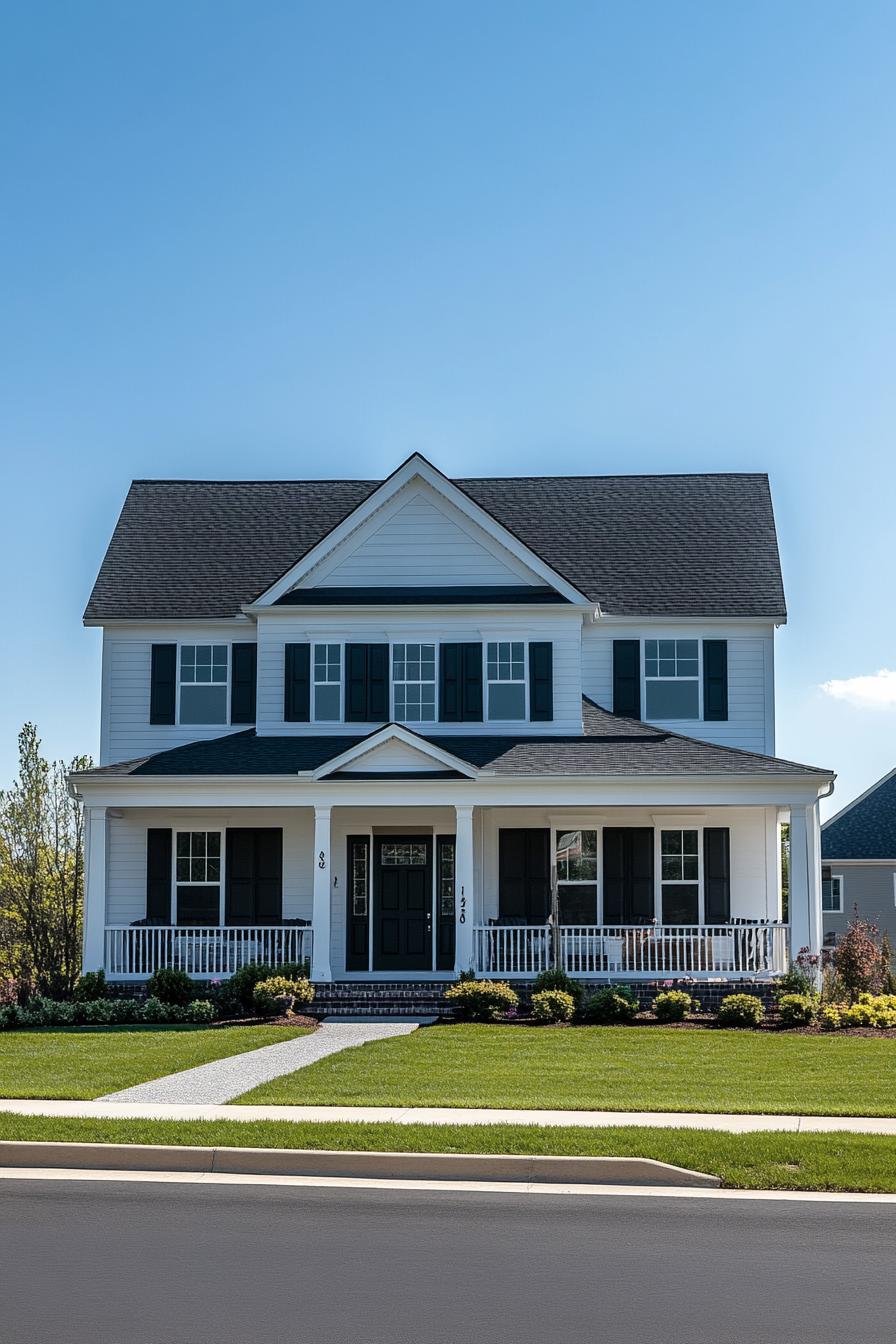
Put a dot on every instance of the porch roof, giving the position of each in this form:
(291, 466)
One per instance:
(610, 746)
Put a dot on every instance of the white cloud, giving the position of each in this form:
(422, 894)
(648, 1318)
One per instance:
(876, 691)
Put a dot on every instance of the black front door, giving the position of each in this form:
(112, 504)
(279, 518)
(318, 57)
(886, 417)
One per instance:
(628, 874)
(402, 903)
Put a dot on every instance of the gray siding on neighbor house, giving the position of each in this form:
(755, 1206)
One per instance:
(869, 888)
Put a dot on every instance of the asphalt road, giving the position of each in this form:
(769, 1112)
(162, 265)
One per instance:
(180, 1264)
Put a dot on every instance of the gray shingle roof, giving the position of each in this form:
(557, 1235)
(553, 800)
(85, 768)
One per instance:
(611, 746)
(700, 545)
(867, 829)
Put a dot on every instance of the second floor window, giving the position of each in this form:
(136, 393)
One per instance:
(506, 680)
(203, 683)
(672, 678)
(414, 682)
(831, 892)
(327, 682)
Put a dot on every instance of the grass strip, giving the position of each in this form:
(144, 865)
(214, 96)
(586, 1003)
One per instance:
(603, 1068)
(78, 1063)
(763, 1161)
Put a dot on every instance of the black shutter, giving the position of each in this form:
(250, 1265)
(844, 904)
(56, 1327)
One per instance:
(243, 671)
(471, 681)
(715, 679)
(628, 874)
(524, 880)
(357, 921)
(460, 683)
(297, 683)
(627, 677)
(717, 874)
(541, 683)
(162, 683)
(356, 683)
(158, 875)
(377, 683)
(450, 700)
(254, 893)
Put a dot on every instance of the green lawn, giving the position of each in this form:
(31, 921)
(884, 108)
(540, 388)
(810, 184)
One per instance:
(747, 1161)
(81, 1062)
(604, 1068)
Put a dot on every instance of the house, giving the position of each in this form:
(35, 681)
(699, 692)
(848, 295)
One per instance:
(409, 727)
(858, 853)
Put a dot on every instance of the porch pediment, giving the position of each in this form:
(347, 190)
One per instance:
(396, 751)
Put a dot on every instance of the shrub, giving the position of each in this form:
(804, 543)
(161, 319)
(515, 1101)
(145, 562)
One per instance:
(154, 1010)
(274, 997)
(871, 1010)
(243, 981)
(741, 1010)
(798, 1010)
(96, 1012)
(796, 980)
(89, 986)
(553, 1005)
(170, 986)
(831, 1016)
(224, 999)
(558, 979)
(481, 1000)
(887, 977)
(857, 958)
(10, 1016)
(611, 1003)
(200, 1010)
(673, 1005)
(37, 1012)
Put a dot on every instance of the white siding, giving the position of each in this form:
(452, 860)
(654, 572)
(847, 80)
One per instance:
(750, 722)
(126, 859)
(419, 539)
(126, 731)
(284, 626)
(392, 756)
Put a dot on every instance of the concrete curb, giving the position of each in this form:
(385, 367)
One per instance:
(639, 1171)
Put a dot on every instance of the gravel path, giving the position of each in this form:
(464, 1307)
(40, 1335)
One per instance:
(224, 1079)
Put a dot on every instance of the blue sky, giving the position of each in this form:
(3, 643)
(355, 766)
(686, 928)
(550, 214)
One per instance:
(281, 239)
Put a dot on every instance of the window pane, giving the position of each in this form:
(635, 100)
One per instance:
(506, 701)
(187, 662)
(403, 855)
(213, 843)
(197, 870)
(203, 704)
(183, 870)
(673, 700)
(681, 905)
(213, 870)
(326, 703)
(446, 879)
(359, 880)
(577, 905)
(183, 844)
(686, 648)
(671, 868)
(197, 843)
(689, 842)
(690, 871)
(671, 842)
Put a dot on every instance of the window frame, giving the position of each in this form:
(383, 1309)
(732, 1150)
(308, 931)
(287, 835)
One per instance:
(487, 683)
(221, 832)
(435, 645)
(838, 909)
(200, 643)
(659, 881)
(676, 639)
(314, 683)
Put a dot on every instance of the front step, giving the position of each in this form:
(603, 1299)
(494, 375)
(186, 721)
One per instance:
(386, 999)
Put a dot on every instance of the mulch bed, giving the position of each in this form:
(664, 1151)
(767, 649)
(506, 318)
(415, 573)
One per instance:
(295, 1021)
(707, 1023)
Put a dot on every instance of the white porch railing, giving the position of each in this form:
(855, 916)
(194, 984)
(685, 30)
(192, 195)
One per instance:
(134, 952)
(693, 950)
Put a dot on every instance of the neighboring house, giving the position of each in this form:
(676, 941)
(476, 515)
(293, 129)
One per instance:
(392, 725)
(858, 851)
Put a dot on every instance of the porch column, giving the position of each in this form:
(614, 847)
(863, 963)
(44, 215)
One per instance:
(94, 947)
(320, 907)
(805, 879)
(463, 889)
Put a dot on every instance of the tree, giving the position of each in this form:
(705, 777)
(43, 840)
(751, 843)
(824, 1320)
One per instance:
(41, 872)
(857, 958)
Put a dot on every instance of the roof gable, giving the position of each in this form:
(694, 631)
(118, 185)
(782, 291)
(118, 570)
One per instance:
(395, 750)
(866, 827)
(417, 528)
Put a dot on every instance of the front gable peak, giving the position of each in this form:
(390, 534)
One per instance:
(418, 529)
(395, 750)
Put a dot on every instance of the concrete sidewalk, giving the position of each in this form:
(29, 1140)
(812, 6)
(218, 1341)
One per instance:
(449, 1115)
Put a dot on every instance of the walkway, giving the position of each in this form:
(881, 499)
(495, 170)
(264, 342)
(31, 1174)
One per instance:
(224, 1079)
(145, 1109)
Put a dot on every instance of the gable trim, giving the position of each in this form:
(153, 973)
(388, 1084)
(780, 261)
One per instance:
(418, 466)
(396, 732)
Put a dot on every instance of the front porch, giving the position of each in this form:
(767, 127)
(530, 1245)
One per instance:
(419, 893)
